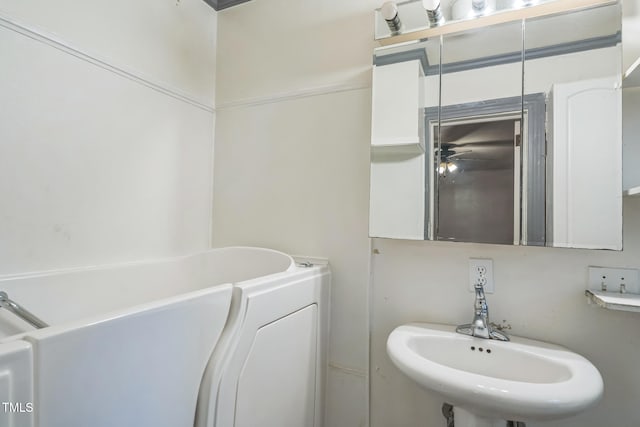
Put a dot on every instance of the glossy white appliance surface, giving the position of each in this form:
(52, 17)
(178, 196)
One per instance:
(129, 343)
(270, 363)
(284, 354)
(138, 367)
(16, 384)
(517, 380)
(63, 296)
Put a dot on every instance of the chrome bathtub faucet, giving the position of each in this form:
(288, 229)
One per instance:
(480, 326)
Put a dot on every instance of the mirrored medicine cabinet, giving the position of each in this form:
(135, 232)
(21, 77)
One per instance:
(504, 134)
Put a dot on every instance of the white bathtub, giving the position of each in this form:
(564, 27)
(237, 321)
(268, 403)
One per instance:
(145, 344)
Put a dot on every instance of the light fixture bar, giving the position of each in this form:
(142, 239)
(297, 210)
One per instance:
(534, 11)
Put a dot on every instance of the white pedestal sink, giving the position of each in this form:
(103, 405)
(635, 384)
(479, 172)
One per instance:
(488, 380)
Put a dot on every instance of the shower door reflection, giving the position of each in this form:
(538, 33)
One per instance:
(478, 175)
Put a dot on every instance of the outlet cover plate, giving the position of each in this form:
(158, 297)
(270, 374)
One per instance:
(613, 277)
(481, 269)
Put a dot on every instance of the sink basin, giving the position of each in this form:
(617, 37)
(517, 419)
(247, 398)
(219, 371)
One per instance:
(522, 380)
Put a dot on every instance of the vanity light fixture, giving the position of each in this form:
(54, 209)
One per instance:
(389, 12)
(433, 12)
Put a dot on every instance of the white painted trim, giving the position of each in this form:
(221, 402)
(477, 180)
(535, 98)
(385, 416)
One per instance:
(288, 96)
(107, 64)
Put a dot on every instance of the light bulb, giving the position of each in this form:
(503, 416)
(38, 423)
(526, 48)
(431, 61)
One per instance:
(389, 12)
(434, 14)
(430, 4)
(451, 167)
(478, 5)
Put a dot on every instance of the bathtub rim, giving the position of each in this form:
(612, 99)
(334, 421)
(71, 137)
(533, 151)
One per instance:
(152, 304)
(137, 263)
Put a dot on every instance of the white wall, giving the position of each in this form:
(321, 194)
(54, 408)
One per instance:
(106, 132)
(292, 157)
(168, 41)
(270, 48)
(293, 175)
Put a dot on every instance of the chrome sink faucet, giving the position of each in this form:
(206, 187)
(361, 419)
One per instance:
(480, 326)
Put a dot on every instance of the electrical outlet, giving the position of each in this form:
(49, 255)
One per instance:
(481, 271)
(610, 279)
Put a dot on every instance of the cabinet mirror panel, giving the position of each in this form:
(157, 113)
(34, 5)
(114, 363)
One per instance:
(578, 72)
(477, 169)
(509, 134)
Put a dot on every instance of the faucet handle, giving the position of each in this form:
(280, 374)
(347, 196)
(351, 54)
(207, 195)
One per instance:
(497, 335)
